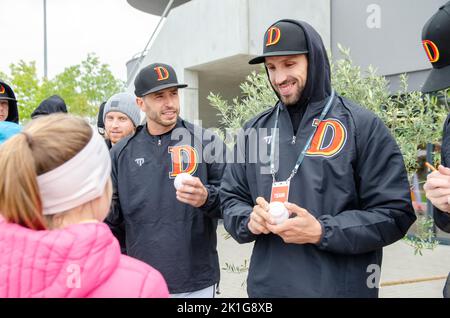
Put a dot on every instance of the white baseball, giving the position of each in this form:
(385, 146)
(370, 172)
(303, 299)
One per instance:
(278, 211)
(180, 178)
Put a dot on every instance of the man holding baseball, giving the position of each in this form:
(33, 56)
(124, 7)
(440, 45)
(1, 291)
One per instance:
(333, 164)
(174, 230)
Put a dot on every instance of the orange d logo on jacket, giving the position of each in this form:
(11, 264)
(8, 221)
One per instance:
(273, 36)
(162, 73)
(184, 159)
(334, 143)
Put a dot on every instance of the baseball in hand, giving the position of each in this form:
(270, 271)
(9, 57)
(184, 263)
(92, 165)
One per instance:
(278, 211)
(179, 179)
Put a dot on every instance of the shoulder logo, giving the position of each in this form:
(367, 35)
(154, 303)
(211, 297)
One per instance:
(139, 161)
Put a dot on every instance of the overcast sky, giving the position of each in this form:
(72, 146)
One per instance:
(112, 29)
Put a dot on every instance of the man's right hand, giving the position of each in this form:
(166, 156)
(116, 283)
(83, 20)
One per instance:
(437, 188)
(260, 217)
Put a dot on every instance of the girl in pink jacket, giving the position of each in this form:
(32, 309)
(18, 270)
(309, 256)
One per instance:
(55, 190)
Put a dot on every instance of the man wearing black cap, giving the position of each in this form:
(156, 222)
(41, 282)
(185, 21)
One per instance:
(174, 230)
(53, 104)
(435, 40)
(8, 104)
(333, 164)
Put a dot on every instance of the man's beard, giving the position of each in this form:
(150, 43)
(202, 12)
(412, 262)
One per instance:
(291, 100)
(166, 123)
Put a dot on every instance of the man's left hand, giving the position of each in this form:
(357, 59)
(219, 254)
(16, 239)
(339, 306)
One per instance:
(193, 192)
(302, 229)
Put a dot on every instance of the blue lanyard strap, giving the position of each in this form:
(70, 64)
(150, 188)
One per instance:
(302, 155)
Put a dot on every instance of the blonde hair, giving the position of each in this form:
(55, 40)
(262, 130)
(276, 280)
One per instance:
(46, 143)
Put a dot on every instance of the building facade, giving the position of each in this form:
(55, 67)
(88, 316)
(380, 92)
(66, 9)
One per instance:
(210, 42)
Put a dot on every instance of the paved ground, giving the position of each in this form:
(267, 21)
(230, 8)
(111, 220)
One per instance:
(399, 263)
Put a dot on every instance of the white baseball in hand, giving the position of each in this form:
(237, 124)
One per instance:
(278, 211)
(180, 179)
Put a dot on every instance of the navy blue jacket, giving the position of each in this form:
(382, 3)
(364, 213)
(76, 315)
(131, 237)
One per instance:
(175, 238)
(353, 180)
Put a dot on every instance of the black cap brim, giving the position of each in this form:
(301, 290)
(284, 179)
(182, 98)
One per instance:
(262, 58)
(161, 87)
(7, 98)
(438, 79)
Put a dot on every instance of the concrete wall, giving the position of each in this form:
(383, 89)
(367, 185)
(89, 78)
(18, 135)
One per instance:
(196, 33)
(383, 33)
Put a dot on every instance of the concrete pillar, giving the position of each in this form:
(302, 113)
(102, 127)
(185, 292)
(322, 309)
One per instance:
(189, 105)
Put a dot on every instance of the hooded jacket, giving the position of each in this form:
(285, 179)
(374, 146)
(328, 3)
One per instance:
(81, 260)
(353, 180)
(177, 239)
(51, 105)
(442, 219)
(13, 113)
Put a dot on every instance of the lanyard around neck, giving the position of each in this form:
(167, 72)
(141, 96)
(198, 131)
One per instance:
(308, 143)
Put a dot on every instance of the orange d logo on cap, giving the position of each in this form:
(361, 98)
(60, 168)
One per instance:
(2, 90)
(162, 73)
(432, 50)
(273, 36)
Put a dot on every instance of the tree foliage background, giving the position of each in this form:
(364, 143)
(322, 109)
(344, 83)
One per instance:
(83, 86)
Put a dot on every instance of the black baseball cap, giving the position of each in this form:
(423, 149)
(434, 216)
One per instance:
(155, 77)
(282, 38)
(436, 42)
(6, 93)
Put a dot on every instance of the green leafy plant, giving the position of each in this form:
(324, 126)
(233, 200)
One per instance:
(257, 96)
(425, 237)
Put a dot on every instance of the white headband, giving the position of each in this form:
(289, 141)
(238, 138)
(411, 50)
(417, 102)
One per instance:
(77, 181)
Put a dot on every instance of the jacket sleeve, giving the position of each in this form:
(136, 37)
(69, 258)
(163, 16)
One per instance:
(381, 181)
(215, 169)
(236, 200)
(115, 217)
(442, 219)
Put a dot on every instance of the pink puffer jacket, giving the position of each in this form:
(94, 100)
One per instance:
(81, 260)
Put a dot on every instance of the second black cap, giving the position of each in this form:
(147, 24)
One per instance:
(436, 42)
(282, 38)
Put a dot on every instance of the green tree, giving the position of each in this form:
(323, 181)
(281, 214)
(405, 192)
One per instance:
(83, 86)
